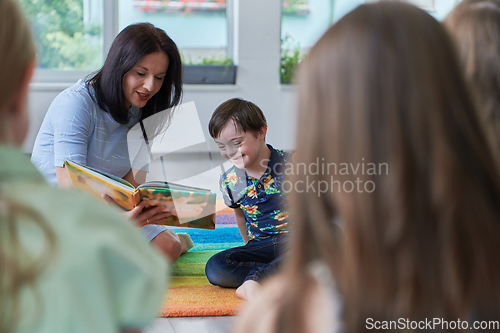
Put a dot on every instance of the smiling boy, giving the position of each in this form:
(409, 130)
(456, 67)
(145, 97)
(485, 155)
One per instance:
(253, 188)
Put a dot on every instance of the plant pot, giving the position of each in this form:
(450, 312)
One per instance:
(209, 74)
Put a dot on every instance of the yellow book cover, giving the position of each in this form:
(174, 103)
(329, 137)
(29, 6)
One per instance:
(191, 206)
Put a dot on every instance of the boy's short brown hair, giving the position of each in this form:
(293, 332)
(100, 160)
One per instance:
(245, 114)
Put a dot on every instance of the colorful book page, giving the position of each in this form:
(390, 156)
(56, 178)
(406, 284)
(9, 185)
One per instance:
(192, 209)
(96, 185)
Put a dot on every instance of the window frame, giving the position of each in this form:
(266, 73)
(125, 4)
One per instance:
(56, 77)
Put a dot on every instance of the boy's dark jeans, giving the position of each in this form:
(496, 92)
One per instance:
(256, 260)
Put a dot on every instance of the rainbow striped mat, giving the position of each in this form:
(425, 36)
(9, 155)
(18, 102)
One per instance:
(190, 294)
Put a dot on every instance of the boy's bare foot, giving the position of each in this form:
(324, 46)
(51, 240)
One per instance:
(186, 241)
(247, 290)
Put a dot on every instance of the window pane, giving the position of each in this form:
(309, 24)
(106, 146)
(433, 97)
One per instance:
(198, 27)
(303, 22)
(68, 33)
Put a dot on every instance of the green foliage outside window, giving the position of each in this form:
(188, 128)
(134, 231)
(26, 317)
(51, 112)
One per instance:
(295, 7)
(63, 40)
(290, 59)
(210, 60)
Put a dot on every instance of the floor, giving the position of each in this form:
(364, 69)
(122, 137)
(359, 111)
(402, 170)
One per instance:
(192, 325)
(180, 166)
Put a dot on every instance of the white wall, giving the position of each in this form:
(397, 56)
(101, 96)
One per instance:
(257, 52)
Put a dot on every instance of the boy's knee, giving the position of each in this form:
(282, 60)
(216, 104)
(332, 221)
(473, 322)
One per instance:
(214, 272)
(168, 244)
(211, 271)
(218, 275)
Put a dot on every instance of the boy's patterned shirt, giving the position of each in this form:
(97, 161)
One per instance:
(262, 200)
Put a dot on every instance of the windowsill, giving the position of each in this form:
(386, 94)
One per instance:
(210, 87)
(287, 87)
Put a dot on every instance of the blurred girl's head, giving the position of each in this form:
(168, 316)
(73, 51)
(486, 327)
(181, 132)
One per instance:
(475, 27)
(20, 269)
(134, 45)
(17, 58)
(382, 93)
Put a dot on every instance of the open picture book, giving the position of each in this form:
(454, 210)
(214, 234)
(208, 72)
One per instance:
(191, 206)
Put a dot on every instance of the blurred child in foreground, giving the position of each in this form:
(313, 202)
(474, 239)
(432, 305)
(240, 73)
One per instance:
(383, 85)
(68, 263)
(475, 27)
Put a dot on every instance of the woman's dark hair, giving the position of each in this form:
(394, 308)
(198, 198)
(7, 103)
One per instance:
(21, 268)
(131, 44)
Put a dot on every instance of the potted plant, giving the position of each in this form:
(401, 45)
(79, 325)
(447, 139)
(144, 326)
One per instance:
(290, 59)
(209, 70)
(295, 7)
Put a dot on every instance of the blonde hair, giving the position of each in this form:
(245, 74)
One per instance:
(17, 49)
(383, 85)
(475, 26)
(19, 268)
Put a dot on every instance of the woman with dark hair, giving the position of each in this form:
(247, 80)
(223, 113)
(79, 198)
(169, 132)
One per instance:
(408, 237)
(129, 47)
(88, 122)
(475, 26)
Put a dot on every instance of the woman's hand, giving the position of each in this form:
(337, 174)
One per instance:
(142, 217)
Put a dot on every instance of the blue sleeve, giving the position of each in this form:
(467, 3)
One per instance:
(71, 116)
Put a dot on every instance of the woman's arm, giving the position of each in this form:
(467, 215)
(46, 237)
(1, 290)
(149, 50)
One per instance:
(63, 180)
(240, 221)
(72, 121)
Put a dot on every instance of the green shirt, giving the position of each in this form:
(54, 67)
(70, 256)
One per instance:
(103, 275)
